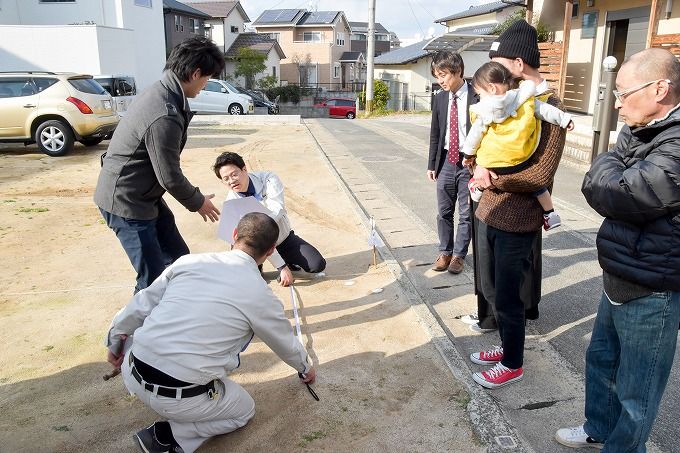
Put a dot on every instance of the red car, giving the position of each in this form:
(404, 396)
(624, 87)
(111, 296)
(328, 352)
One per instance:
(340, 107)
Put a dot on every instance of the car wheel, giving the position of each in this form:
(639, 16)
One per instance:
(91, 141)
(54, 138)
(350, 115)
(235, 109)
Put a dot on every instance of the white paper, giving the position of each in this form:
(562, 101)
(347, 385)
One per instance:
(233, 211)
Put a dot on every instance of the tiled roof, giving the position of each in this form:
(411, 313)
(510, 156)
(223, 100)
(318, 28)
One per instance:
(174, 5)
(404, 55)
(260, 42)
(477, 11)
(218, 9)
(482, 29)
(363, 27)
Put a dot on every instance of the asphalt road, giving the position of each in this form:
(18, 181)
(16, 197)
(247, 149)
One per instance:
(391, 157)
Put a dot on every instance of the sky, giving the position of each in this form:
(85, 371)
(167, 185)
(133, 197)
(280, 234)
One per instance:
(411, 20)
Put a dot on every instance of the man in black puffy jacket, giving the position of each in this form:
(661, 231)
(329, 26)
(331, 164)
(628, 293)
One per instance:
(636, 187)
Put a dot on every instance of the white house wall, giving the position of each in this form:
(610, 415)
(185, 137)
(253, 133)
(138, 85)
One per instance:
(272, 61)
(416, 75)
(234, 20)
(145, 50)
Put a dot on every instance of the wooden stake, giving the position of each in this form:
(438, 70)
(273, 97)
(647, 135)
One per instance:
(375, 263)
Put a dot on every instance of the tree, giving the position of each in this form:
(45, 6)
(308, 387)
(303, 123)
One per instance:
(543, 32)
(381, 94)
(303, 67)
(250, 63)
(268, 82)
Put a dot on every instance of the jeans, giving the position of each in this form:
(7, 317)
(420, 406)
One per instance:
(151, 245)
(627, 367)
(452, 185)
(504, 261)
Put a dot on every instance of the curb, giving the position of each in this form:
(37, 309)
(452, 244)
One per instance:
(486, 417)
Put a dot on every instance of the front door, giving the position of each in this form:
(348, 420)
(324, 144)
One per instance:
(627, 32)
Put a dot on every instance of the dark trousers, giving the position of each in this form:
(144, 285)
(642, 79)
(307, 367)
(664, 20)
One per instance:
(504, 260)
(295, 250)
(452, 185)
(151, 245)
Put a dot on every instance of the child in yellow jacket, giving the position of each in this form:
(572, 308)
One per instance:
(506, 128)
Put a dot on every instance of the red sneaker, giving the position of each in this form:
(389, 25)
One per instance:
(497, 376)
(490, 357)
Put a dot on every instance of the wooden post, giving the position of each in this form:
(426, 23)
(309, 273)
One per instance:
(530, 11)
(653, 19)
(568, 7)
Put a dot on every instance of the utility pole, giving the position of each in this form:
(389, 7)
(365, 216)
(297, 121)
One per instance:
(370, 51)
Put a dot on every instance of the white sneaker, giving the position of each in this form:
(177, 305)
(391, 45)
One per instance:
(470, 319)
(576, 438)
(477, 329)
(551, 221)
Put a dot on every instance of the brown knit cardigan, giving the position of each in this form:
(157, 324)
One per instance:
(510, 205)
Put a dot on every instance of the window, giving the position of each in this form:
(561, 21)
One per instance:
(331, 102)
(574, 10)
(345, 103)
(89, 86)
(146, 3)
(358, 37)
(311, 36)
(274, 71)
(16, 86)
(193, 25)
(234, 29)
(44, 83)
(382, 38)
(178, 23)
(336, 70)
(275, 36)
(213, 86)
(340, 38)
(57, 1)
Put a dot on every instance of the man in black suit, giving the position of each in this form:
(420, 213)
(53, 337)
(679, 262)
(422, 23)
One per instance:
(450, 123)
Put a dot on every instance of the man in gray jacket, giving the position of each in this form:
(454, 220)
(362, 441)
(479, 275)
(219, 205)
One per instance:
(143, 162)
(636, 188)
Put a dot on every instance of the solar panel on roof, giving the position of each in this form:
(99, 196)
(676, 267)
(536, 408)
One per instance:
(278, 15)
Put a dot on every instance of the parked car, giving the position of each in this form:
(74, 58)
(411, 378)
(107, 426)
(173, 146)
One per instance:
(340, 107)
(122, 88)
(260, 100)
(220, 96)
(54, 110)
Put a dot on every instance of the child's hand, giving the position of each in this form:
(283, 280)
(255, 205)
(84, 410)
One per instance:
(469, 162)
(570, 126)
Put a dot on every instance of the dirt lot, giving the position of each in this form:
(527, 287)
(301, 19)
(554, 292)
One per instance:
(383, 386)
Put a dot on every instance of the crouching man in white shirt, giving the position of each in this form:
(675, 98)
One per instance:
(189, 327)
(292, 252)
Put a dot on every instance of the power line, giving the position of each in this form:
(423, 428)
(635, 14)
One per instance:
(416, 18)
(424, 9)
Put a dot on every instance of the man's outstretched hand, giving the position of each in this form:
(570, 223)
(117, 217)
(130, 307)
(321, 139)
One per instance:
(309, 377)
(208, 210)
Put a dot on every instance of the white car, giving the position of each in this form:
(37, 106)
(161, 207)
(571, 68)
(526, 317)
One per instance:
(219, 96)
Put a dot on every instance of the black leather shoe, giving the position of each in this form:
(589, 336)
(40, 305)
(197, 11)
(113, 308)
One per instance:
(148, 443)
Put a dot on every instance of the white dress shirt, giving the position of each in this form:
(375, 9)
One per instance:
(201, 313)
(461, 95)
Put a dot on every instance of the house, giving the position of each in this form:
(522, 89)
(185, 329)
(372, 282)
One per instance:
(406, 71)
(598, 28)
(227, 20)
(182, 22)
(260, 43)
(313, 42)
(102, 37)
(359, 38)
(479, 20)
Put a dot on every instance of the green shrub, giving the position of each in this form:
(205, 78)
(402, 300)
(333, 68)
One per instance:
(288, 93)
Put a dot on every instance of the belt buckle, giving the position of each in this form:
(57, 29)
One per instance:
(213, 393)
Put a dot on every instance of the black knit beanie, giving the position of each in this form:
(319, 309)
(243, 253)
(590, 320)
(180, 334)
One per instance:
(518, 41)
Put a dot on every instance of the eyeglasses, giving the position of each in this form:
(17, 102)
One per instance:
(620, 95)
(232, 176)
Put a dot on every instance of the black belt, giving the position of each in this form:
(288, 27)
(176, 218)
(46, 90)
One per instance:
(173, 392)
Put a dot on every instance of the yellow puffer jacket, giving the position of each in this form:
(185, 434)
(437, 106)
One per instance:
(513, 141)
